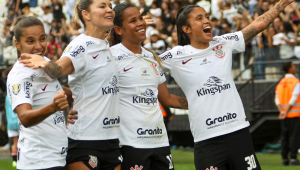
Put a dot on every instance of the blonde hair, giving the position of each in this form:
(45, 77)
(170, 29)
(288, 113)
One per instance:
(157, 58)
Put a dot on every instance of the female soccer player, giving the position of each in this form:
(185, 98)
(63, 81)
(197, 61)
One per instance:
(93, 139)
(201, 65)
(143, 135)
(39, 102)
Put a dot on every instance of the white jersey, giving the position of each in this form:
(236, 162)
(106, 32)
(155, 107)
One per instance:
(215, 107)
(95, 89)
(43, 145)
(142, 123)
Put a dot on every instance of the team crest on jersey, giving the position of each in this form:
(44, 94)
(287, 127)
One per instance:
(137, 167)
(212, 168)
(16, 88)
(154, 67)
(219, 52)
(93, 161)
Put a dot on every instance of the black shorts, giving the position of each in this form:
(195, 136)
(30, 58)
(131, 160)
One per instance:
(146, 159)
(100, 154)
(232, 151)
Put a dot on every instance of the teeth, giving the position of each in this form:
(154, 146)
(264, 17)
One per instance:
(109, 17)
(142, 30)
(208, 27)
(38, 53)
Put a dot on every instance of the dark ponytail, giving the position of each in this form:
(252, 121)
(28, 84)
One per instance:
(20, 24)
(182, 20)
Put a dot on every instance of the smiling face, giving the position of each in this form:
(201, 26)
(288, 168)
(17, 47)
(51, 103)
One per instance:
(199, 29)
(32, 41)
(133, 26)
(100, 14)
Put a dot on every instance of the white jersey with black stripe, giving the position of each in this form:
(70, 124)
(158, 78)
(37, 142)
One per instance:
(43, 145)
(142, 123)
(204, 75)
(95, 89)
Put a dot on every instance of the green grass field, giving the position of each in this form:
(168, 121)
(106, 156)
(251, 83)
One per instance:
(184, 160)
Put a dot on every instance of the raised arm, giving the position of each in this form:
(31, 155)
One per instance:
(56, 69)
(170, 100)
(262, 22)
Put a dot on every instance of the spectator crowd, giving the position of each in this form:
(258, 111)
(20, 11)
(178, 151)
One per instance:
(280, 41)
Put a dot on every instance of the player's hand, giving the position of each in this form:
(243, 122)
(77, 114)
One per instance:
(147, 18)
(72, 116)
(60, 101)
(282, 115)
(34, 61)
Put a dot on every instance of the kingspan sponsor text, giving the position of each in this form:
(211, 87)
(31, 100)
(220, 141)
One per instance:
(213, 90)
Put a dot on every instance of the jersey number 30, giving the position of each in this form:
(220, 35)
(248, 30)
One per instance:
(251, 161)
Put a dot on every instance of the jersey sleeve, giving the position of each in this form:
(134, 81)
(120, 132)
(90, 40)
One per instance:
(235, 41)
(20, 91)
(76, 52)
(166, 59)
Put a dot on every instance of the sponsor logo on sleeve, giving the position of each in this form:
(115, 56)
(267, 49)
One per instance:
(166, 56)
(89, 43)
(136, 167)
(77, 51)
(212, 86)
(215, 41)
(179, 52)
(27, 86)
(123, 56)
(219, 52)
(16, 88)
(112, 88)
(231, 37)
(93, 162)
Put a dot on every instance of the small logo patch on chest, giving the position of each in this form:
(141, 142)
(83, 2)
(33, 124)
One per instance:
(219, 52)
